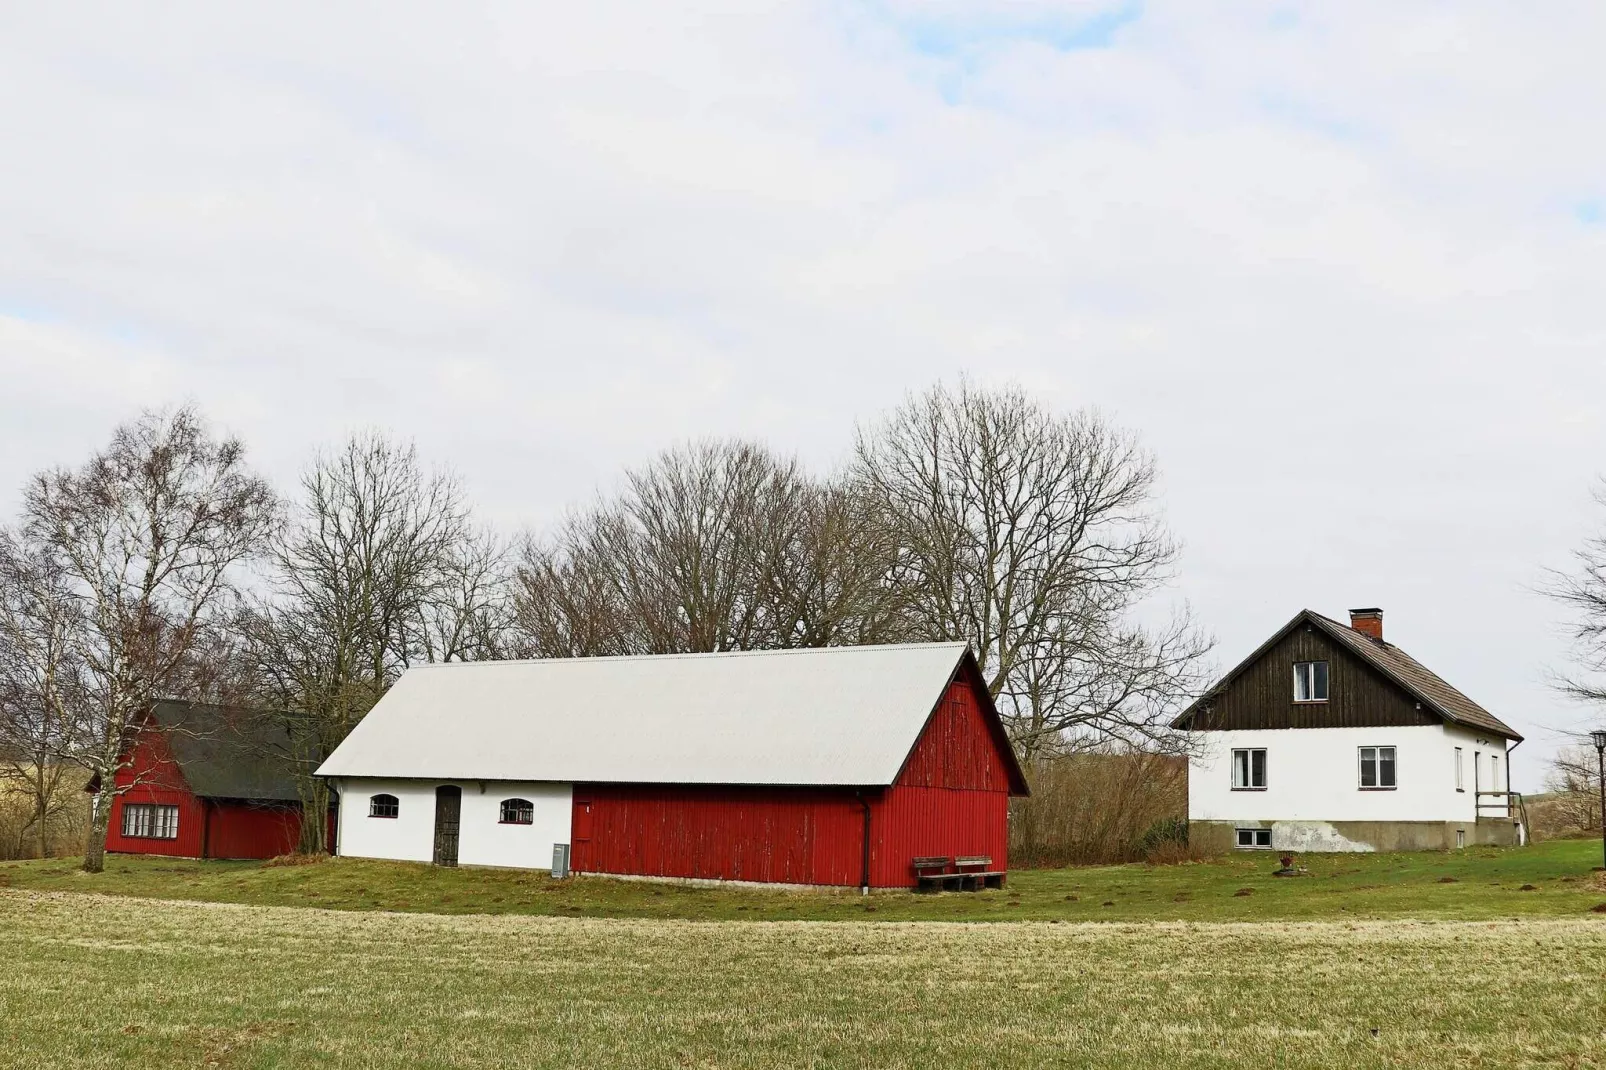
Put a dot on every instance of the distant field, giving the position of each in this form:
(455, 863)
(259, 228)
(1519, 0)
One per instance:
(100, 982)
(1548, 880)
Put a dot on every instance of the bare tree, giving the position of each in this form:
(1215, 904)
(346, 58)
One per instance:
(1036, 537)
(148, 535)
(1583, 592)
(467, 614)
(712, 546)
(379, 569)
(1574, 785)
(41, 679)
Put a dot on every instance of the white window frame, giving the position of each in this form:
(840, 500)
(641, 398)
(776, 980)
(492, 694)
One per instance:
(1377, 768)
(1494, 772)
(150, 821)
(1249, 769)
(1460, 778)
(374, 806)
(522, 811)
(1305, 677)
(1252, 834)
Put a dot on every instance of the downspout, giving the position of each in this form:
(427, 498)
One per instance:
(864, 884)
(206, 826)
(340, 813)
(1511, 811)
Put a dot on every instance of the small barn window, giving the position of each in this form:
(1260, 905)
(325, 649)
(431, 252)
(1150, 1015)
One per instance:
(1310, 681)
(1249, 769)
(1459, 785)
(144, 821)
(1377, 769)
(383, 806)
(1254, 839)
(518, 812)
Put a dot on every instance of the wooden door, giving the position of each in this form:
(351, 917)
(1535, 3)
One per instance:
(448, 817)
(582, 820)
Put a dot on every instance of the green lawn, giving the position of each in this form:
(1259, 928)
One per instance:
(93, 981)
(1547, 880)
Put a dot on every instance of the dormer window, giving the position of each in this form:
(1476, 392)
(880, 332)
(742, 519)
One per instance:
(1310, 681)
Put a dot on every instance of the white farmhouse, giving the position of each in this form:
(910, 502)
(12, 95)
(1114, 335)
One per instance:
(1329, 738)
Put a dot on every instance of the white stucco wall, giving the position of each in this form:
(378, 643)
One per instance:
(482, 839)
(1313, 774)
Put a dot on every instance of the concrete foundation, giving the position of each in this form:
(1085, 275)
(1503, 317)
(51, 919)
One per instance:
(1325, 837)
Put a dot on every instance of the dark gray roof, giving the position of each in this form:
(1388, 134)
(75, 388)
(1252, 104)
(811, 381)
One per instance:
(1416, 678)
(226, 752)
(1426, 686)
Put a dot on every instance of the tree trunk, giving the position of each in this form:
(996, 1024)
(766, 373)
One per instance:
(99, 825)
(314, 817)
(43, 833)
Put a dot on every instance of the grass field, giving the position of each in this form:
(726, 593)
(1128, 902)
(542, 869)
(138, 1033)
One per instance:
(1547, 880)
(93, 981)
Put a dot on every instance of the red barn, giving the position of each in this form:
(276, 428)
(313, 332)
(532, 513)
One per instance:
(206, 782)
(844, 766)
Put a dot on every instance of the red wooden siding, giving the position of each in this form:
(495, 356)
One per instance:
(207, 828)
(190, 820)
(247, 830)
(956, 750)
(952, 798)
(777, 835)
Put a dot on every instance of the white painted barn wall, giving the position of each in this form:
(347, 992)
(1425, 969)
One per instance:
(482, 839)
(1313, 774)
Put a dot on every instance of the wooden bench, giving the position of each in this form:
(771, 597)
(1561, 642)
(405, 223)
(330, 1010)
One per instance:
(930, 871)
(971, 874)
(976, 872)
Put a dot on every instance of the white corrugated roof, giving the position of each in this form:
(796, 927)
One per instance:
(834, 715)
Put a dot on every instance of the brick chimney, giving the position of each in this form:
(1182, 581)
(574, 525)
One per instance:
(1368, 622)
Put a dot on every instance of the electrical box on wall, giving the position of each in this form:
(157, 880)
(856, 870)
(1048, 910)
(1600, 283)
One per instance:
(560, 860)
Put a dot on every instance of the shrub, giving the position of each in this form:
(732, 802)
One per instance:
(1096, 807)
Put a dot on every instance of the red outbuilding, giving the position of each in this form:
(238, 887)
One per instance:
(206, 781)
(880, 767)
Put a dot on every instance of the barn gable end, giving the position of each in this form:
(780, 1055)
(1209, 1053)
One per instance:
(963, 744)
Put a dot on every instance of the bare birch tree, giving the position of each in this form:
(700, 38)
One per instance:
(41, 685)
(148, 534)
(1036, 537)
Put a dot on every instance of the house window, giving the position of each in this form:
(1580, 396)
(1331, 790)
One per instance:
(1460, 837)
(144, 821)
(1310, 681)
(1459, 786)
(518, 812)
(1254, 839)
(1377, 769)
(383, 806)
(1249, 769)
(1494, 773)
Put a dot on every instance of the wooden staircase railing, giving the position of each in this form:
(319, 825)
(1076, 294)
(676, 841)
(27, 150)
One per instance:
(1510, 804)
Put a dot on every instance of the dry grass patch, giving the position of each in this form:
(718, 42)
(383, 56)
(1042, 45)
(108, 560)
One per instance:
(196, 984)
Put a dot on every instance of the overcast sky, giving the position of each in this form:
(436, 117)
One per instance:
(1340, 265)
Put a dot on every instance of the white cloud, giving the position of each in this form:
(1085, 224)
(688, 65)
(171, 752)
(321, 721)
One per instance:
(1334, 267)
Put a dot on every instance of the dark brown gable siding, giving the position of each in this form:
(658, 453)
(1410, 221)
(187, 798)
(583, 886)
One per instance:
(1262, 696)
